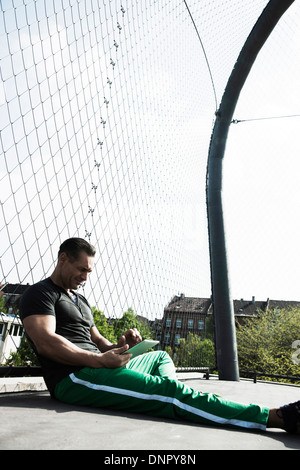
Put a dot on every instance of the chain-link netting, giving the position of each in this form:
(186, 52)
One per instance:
(106, 114)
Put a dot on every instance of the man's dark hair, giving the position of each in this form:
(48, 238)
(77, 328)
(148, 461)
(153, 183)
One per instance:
(73, 246)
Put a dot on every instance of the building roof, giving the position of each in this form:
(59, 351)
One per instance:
(283, 303)
(184, 304)
(249, 307)
(9, 318)
(252, 307)
(16, 289)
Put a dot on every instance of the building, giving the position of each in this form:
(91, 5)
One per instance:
(182, 316)
(11, 329)
(11, 294)
(11, 333)
(244, 309)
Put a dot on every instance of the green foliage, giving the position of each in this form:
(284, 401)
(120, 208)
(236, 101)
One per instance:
(113, 331)
(130, 320)
(193, 352)
(102, 325)
(3, 308)
(209, 328)
(265, 343)
(23, 356)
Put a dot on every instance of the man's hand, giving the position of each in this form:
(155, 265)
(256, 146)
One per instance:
(130, 337)
(113, 358)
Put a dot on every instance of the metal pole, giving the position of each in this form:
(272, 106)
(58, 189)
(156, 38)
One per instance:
(225, 337)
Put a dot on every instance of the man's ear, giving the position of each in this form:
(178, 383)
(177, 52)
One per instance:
(63, 257)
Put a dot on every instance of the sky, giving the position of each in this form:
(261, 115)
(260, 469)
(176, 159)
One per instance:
(262, 172)
(106, 117)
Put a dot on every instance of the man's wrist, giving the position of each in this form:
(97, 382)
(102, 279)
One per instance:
(94, 360)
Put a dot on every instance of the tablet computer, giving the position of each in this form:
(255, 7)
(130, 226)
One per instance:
(141, 347)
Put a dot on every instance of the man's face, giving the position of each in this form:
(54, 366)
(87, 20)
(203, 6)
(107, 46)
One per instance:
(75, 272)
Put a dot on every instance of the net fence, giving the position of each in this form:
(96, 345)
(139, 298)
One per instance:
(106, 114)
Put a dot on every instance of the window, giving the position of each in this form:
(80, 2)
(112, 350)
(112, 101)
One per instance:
(177, 338)
(178, 322)
(190, 323)
(200, 324)
(167, 338)
(168, 323)
(18, 330)
(2, 329)
(15, 330)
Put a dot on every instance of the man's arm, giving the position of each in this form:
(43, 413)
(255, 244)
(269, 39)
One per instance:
(102, 343)
(41, 330)
(130, 337)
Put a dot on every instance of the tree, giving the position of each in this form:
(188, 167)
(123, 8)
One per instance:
(130, 320)
(265, 343)
(23, 356)
(103, 327)
(2, 304)
(193, 352)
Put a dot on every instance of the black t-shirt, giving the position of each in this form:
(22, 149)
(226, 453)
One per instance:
(73, 321)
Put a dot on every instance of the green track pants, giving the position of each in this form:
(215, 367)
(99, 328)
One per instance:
(148, 385)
